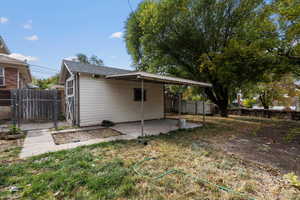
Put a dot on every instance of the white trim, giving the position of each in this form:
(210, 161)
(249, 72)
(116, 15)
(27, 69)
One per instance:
(71, 78)
(62, 75)
(3, 76)
(18, 79)
(159, 78)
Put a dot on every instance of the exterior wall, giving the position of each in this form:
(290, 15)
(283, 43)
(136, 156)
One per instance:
(11, 78)
(101, 99)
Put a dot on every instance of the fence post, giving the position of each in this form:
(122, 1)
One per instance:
(13, 106)
(55, 109)
(18, 105)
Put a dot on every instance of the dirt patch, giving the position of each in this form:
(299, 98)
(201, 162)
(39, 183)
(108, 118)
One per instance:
(259, 140)
(268, 145)
(80, 136)
(9, 144)
(9, 150)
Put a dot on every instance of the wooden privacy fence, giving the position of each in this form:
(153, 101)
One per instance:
(5, 98)
(35, 105)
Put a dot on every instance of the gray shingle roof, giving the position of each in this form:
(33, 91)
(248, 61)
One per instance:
(93, 69)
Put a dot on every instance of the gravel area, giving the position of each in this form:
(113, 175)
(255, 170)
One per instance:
(80, 136)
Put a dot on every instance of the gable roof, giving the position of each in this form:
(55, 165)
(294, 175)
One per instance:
(92, 69)
(4, 58)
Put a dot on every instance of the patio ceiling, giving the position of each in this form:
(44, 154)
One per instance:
(149, 77)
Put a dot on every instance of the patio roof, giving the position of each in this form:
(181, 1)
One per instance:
(157, 78)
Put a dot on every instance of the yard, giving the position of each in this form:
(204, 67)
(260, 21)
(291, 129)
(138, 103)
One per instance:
(230, 158)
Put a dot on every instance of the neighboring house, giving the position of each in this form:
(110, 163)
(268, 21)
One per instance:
(13, 74)
(96, 93)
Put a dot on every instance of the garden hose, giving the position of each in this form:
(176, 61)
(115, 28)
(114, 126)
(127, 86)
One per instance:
(175, 171)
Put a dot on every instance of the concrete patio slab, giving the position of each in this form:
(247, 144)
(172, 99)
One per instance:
(41, 141)
(152, 127)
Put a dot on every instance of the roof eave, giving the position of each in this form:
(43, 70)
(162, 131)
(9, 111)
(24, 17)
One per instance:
(158, 79)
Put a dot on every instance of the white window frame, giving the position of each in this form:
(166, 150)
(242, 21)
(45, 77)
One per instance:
(73, 86)
(3, 76)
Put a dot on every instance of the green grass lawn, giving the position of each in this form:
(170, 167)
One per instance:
(110, 170)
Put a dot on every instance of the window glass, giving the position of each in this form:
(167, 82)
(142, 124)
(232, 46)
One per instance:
(138, 94)
(70, 87)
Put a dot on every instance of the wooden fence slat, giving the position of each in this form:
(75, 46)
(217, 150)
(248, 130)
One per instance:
(34, 105)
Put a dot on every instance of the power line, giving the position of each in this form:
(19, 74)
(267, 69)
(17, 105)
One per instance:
(38, 71)
(43, 67)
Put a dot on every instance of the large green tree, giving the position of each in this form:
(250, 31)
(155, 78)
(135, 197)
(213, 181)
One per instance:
(228, 43)
(46, 83)
(94, 60)
(287, 15)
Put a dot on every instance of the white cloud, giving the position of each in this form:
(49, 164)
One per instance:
(28, 25)
(23, 57)
(117, 35)
(32, 38)
(3, 20)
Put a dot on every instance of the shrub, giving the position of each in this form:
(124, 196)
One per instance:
(14, 130)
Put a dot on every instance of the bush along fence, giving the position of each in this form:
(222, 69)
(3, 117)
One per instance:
(280, 114)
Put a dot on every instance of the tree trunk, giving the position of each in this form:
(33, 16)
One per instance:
(219, 95)
(266, 107)
(223, 110)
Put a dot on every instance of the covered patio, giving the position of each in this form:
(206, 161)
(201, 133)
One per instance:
(158, 126)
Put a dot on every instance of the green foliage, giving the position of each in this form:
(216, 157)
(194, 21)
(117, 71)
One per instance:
(62, 174)
(292, 134)
(273, 89)
(94, 60)
(14, 130)
(227, 43)
(293, 179)
(46, 83)
(249, 103)
(287, 16)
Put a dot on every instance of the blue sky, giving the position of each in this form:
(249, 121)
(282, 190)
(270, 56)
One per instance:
(48, 31)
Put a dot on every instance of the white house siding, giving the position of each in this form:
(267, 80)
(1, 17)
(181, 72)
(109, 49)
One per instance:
(103, 99)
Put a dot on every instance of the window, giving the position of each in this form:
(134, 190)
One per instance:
(2, 76)
(70, 88)
(138, 94)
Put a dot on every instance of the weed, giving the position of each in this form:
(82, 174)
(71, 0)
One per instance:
(14, 130)
(293, 179)
(292, 134)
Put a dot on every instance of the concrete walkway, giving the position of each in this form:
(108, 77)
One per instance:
(40, 141)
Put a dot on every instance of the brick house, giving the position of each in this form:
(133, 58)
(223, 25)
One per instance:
(14, 74)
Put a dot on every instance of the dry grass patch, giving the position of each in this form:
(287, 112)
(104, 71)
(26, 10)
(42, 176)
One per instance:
(80, 136)
(118, 170)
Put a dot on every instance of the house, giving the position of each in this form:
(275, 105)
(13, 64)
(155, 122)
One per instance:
(13, 74)
(97, 93)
